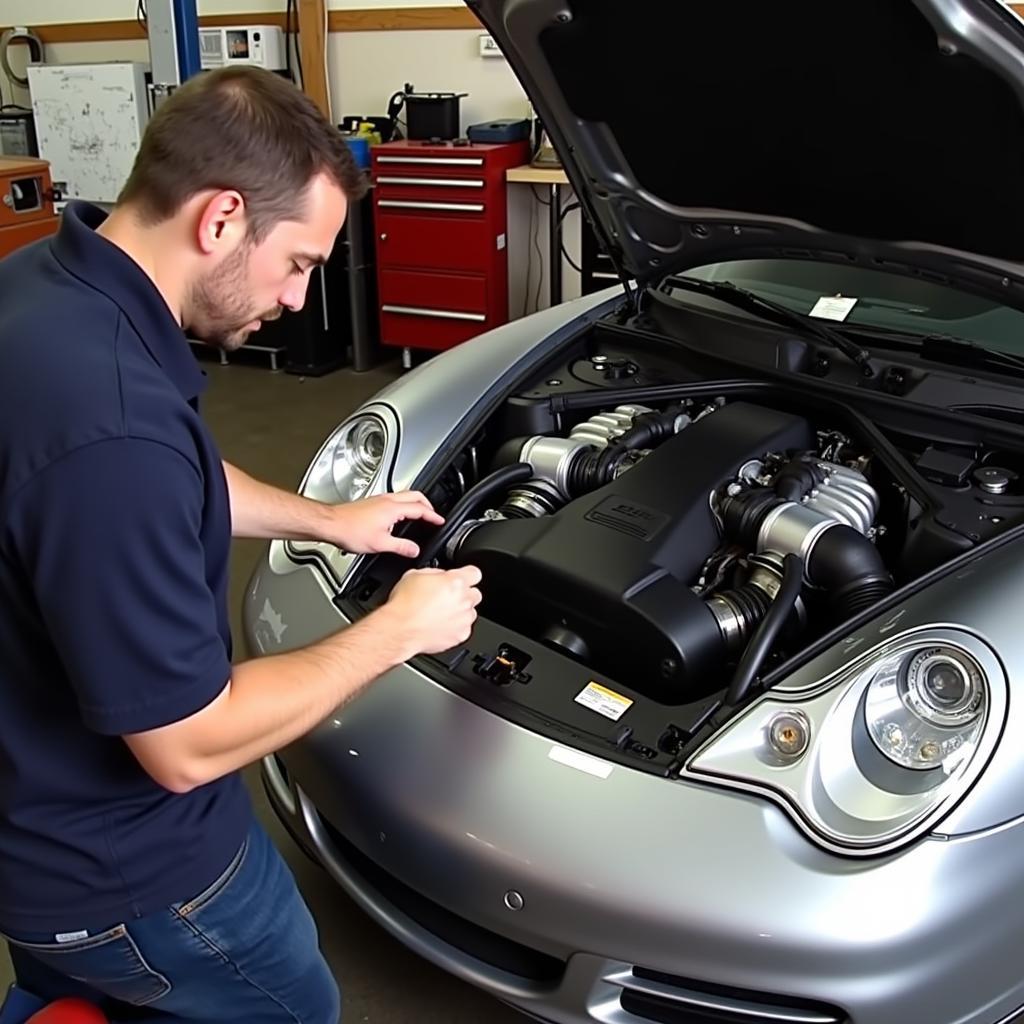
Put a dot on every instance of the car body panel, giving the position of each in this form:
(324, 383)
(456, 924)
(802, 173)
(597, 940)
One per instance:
(670, 875)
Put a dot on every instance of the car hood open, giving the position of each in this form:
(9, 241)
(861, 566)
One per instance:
(886, 133)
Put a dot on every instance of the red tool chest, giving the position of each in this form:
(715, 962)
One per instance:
(440, 212)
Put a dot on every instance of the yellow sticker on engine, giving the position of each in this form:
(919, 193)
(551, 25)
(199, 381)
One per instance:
(604, 701)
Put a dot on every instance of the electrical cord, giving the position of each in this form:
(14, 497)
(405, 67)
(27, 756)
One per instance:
(327, 73)
(568, 259)
(566, 210)
(298, 50)
(288, 39)
(540, 263)
(142, 16)
(529, 258)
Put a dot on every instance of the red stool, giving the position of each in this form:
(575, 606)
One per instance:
(68, 1011)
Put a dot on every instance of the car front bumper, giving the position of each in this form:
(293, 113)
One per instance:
(587, 892)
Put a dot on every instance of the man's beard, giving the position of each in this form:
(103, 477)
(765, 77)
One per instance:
(220, 308)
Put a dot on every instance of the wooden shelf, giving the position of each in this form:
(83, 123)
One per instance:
(529, 175)
(371, 19)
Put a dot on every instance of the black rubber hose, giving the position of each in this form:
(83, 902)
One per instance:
(742, 516)
(767, 633)
(850, 569)
(649, 428)
(499, 480)
(596, 467)
(797, 478)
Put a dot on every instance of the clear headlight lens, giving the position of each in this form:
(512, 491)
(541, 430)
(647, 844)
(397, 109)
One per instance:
(358, 454)
(928, 709)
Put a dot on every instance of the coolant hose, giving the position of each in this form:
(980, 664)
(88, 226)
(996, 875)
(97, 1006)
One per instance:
(500, 480)
(767, 632)
(849, 568)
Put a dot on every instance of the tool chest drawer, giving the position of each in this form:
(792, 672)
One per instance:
(464, 293)
(409, 238)
(442, 228)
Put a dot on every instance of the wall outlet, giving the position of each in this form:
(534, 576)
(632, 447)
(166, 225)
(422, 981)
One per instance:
(488, 47)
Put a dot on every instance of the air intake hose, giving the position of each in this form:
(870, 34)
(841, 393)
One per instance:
(594, 468)
(498, 481)
(840, 561)
(849, 568)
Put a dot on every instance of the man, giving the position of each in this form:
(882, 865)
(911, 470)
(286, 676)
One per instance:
(131, 871)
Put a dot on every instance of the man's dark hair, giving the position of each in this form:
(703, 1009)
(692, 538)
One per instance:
(244, 129)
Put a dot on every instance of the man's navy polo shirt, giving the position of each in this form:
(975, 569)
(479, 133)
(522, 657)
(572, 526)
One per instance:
(114, 539)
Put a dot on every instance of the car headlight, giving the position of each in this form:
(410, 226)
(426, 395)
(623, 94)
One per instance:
(358, 455)
(927, 709)
(355, 459)
(876, 752)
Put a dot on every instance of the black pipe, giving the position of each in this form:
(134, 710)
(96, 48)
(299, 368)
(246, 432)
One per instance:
(499, 480)
(763, 639)
(797, 478)
(743, 515)
(595, 467)
(850, 569)
(843, 562)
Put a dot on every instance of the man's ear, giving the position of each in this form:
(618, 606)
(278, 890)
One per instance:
(222, 222)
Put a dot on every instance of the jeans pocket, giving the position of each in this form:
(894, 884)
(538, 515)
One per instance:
(109, 962)
(218, 886)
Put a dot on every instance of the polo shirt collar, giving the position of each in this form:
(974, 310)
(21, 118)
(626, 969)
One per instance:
(110, 270)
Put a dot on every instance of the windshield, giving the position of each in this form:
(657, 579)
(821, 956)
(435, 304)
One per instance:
(884, 300)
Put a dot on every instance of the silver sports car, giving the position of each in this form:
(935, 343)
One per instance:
(738, 734)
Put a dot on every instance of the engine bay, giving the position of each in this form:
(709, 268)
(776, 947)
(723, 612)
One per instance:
(657, 542)
(650, 544)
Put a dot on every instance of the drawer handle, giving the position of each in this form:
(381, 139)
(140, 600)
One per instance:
(441, 314)
(436, 161)
(442, 182)
(409, 204)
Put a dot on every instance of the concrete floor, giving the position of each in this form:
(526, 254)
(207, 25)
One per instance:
(270, 424)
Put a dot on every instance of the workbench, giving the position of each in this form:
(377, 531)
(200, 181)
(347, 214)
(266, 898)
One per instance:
(554, 178)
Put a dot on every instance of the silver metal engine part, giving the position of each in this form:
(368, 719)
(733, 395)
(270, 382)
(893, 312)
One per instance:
(735, 627)
(551, 457)
(600, 429)
(845, 498)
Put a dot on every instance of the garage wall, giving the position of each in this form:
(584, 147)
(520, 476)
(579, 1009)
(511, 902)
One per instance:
(365, 69)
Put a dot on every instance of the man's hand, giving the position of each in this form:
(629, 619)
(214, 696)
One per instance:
(364, 527)
(433, 609)
(270, 702)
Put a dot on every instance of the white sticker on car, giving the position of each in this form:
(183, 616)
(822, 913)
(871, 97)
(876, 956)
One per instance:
(581, 762)
(604, 701)
(833, 307)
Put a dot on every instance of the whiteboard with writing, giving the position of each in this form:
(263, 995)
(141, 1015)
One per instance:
(89, 122)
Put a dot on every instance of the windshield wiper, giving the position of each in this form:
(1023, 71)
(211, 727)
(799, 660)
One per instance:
(730, 293)
(944, 348)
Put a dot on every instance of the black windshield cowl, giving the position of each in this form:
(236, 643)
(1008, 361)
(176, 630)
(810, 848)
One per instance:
(726, 291)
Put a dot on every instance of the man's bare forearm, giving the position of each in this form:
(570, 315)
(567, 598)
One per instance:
(270, 702)
(264, 512)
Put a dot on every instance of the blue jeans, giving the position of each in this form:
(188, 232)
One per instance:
(244, 949)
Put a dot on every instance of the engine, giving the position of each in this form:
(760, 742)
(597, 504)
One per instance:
(651, 544)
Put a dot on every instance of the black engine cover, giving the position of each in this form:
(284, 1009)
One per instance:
(608, 576)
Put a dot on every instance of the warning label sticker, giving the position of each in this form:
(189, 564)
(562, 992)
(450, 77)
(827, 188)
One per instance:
(604, 701)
